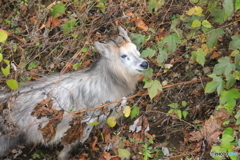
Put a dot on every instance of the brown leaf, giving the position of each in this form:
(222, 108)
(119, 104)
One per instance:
(107, 138)
(107, 129)
(215, 55)
(129, 13)
(93, 144)
(161, 33)
(221, 116)
(33, 19)
(43, 109)
(115, 158)
(74, 133)
(105, 156)
(209, 132)
(140, 24)
(195, 136)
(55, 22)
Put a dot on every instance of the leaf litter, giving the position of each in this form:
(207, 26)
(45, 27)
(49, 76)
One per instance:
(42, 28)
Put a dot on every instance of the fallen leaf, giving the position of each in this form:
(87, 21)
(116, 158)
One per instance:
(140, 24)
(74, 133)
(105, 156)
(93, 146)
(129, 13)
(215, 55)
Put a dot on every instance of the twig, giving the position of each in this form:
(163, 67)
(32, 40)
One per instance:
(115, 101)
(182, 155)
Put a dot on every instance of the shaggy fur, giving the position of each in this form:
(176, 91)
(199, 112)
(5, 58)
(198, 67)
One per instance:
(113, 76)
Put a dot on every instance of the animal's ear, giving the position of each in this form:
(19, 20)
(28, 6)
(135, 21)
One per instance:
(123, 33)
(102, 48)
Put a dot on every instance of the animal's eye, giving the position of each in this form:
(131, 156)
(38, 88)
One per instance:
(124, 55)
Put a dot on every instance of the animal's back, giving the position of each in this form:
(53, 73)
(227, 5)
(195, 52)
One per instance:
(113, 76)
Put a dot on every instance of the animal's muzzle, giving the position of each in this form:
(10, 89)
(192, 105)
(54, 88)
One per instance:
(144, 65)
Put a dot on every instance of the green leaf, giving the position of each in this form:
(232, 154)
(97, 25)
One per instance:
(226, 138)
(94, 123)
(3, 36)
(228, 7)
(138, 40)
(32, 65)
(224, 66)
(123, 153)
(1, 57)
(231, 80)
(172, 40)
(58, 9)
(148, 72)
(6, 61)
(217, 84)
(194, 1)
(234, 44)
(148, 84)
(12, 83)
(237, 115)
(153, 87)
(184, 103)
(237, 60)
(170, 111)
(196, 23)
(76, 65)
(238, 121)
(218, 16)
(229, 97)
(162, 56)
(102, 7)
(148, 53)
(111, 121)
(84, 49)
(6, 71)
(69, 25)
(218, 149)
(154, 5)
(213, 37)
(237, 5)
(199, 56)
(179, 113)
(228, 131)
(173, 105)
(226, 122)
(206, 24)
(234, 53)
(135, 112)
(184, 113)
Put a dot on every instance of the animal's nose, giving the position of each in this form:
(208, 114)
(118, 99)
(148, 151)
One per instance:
(144, 64)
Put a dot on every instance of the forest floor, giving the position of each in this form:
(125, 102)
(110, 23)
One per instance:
(40, 43)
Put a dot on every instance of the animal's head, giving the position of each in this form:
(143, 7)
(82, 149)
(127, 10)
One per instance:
(122, 52)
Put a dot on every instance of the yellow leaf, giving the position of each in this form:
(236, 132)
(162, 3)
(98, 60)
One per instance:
(127, 111)
(191, 11)
(195, 11)
(12, 83)
(198, 10)
(3, 36)
(111, 121)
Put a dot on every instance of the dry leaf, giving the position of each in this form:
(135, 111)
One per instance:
(74, 133)
(93, 144)
(215, 55)
(140, 24)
